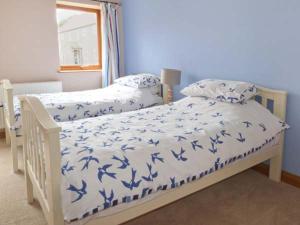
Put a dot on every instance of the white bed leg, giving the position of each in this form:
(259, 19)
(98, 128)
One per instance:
(275, 168)
(29, 188)
(14, 151)
(276, 162)
(7, 136)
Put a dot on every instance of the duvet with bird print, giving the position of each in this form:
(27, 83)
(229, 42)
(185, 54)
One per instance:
(70, 106)
(116, 159)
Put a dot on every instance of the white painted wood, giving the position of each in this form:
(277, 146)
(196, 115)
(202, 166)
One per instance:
(2, 124)
(9, 119)
(14, 150)
(7, 135)
(7, 92)
(26, 156)
(279, 103)
(48, 194)
(42, 158)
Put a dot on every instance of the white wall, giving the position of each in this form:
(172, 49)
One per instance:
(29, 45)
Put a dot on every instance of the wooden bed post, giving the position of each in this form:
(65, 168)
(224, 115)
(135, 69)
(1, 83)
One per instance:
(276, 168)
(279, 109)
(7, 135)
(3, 92)
(9, 115)
(276, 162)
(14, 150)
(53, 172)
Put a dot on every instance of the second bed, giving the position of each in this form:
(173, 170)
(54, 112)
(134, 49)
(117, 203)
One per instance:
(70, 106)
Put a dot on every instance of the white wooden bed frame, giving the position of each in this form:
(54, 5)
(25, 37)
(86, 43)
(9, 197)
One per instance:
(8, 90)
(43, 166)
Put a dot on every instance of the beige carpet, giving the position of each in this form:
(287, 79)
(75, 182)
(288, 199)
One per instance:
(246, 199)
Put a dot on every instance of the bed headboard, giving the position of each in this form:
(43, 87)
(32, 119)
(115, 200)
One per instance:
(8, 90)
(274, 100)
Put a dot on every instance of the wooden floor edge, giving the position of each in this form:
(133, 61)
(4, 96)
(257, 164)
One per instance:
(286, 177)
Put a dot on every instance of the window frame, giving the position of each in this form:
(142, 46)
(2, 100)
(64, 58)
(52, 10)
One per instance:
(64, 68)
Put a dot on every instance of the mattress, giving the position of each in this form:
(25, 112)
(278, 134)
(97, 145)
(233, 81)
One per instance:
(112, 161)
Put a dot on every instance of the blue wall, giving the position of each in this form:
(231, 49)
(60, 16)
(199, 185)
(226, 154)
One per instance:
(251, 40)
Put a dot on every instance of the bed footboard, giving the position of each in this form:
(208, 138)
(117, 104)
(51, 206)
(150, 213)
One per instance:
(42, 159)
(275, 101)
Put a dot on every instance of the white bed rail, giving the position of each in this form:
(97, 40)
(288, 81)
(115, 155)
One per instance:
(42, 158)
(43, 169)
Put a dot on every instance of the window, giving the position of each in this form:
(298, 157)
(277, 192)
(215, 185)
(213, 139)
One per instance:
(79, 37)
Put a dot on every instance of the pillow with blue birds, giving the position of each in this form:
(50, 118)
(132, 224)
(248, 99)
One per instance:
(144, 80)
(221, 90)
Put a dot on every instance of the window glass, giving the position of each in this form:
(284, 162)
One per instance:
(78, 37)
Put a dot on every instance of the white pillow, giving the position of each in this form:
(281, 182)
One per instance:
(143, 80)
(221, 90)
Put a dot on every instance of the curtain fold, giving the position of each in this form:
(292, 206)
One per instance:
(110, 43)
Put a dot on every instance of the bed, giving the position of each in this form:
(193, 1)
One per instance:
(69, 106)
(139, 161)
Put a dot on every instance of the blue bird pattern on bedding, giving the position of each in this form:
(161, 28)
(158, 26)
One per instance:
(112, 160)
(70, 106)
(222, 90)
